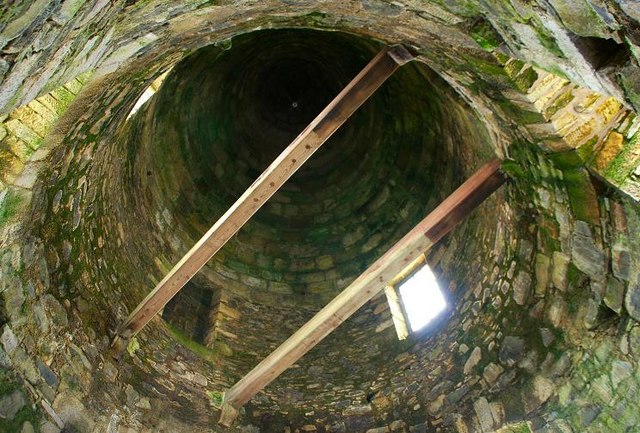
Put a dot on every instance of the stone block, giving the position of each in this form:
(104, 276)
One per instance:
(11, 404)
(473, 360)
(483, 411)
(542, 274)
(397, 425)
(620, 372)
(588, 414)
(585, 254)
(434, 407)
(492, 372)
(522, 288)
(611, 147)
(52, 104)
(512, 350)
(632, 300)
(580, 18)
(9, 340)
(547, 336)
(48, 375)
(34, 121)
(609, 109)
(5, 361)
(325, 262)
(543, 388)
(24, 133)
(621, 261)
(559, 271)
(24, 364)
(73, 412)
(378, 430)
(357, 410)
(18, 148)
(614, 294)
(44, 112)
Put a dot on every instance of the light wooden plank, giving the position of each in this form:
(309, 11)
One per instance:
(289, 161)
(429, 231)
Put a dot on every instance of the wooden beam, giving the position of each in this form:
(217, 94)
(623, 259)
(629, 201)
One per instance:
(429, 231)
(289, 161)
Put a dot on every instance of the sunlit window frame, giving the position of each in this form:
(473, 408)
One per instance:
(396, 304)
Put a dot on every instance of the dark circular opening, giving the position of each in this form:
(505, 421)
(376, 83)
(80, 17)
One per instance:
(224, 116)
(290, 93)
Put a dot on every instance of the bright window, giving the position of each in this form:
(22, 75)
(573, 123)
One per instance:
(148, 93)
(422, 298)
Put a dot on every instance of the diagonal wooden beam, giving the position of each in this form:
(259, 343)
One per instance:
(289, 161)
(429, 231)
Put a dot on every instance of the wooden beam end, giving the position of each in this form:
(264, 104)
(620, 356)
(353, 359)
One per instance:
(401, 54)
(118, 346)
(228, 415)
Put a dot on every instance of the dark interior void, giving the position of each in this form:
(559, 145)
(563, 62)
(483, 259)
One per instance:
(221, 117)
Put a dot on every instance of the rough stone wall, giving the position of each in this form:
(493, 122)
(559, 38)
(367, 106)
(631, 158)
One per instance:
(545, 338)
(567, 37)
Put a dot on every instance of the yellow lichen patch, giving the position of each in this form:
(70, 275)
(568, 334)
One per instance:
(609, 109)
(22, 132)
(565, 122)
(47, 115)
(581, 134)
(545, 90)
(18, 148)
(558, 103)
(32, 120)
(610, 149)
(513, 66)
(10, 166)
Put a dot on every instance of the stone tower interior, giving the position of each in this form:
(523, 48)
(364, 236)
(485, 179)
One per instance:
(102, 193)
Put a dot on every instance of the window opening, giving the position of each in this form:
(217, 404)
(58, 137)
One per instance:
(415, 298)
(148, 93)
(422, 298)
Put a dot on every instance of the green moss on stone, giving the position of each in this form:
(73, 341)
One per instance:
(9, 204)
(630, 86)
(525, 79)
(485, 35)
(8, 384)
(27, 413)
(485, 67)
(315, 19)
(582, 195)
(195, 347)
(513, 169)
(623, 164)
(216, 397)
(566, 160)
(560, 102)
(586, 150)
(64, 96)
(522, 427)
(523, 117)
(546, 39)
(513, 67)
(133, 346)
